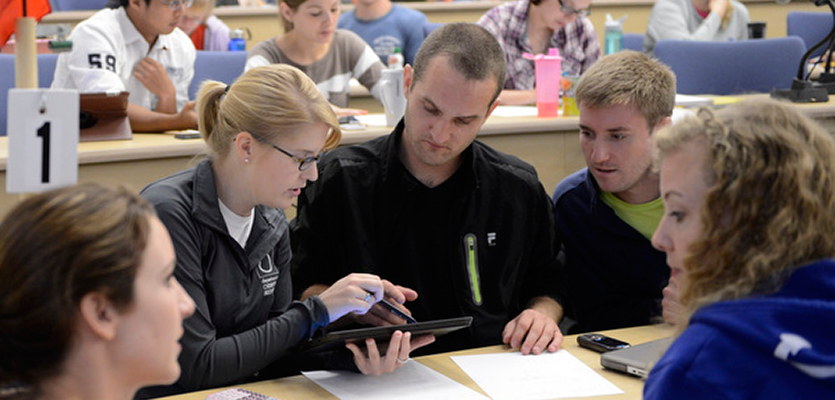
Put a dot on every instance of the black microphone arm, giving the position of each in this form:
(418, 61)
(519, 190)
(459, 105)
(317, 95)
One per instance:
(803, 90)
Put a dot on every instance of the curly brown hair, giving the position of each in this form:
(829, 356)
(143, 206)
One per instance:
(770, 207)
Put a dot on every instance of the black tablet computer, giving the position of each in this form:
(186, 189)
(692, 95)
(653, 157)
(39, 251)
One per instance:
(436, 327)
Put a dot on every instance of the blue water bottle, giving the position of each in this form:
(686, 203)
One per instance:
(613, 36)
(236, 40)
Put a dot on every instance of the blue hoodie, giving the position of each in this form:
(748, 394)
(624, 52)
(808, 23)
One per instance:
(780, 346)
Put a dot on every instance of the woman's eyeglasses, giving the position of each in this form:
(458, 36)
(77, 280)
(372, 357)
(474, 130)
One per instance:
(569, 11)
(304, 163)
(175, 5)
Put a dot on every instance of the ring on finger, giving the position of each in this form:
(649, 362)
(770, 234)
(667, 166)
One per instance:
(402, 361)
(368, 297)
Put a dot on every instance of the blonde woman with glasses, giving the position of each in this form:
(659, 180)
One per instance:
(265, 133)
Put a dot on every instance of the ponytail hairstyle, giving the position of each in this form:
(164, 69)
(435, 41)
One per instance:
(271, 100)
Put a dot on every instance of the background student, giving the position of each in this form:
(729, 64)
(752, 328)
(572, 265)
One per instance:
(534, 26)
(607, 212)
(206, 31)
(266, 133)
(702, 20)
(749, 194)
(431, 208)
(386, 26)
(135, 47)
(89, 306)
(330, 56)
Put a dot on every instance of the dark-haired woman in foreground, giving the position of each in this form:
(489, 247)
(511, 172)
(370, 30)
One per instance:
(89, 306)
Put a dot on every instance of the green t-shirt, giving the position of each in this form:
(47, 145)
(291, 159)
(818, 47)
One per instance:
(643, 217)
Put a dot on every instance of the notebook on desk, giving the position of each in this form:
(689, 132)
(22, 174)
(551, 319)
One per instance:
(636, 360)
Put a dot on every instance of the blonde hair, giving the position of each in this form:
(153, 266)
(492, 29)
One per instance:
(770, 207)
(629, 77)
(269, 101)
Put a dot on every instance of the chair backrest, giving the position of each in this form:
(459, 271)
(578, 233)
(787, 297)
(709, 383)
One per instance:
(633, 41)
(721, 68)
(70, 5)
(223, 66)
(428, 27)
(46, 70)
(6, 83)
(812, 27)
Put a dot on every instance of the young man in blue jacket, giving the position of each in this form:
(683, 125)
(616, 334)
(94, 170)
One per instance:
(606, 213)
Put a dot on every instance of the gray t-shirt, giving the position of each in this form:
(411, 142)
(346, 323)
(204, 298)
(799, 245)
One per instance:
(348, 57)
(678, 19)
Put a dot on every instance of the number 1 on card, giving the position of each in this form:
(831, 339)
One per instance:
(42, 130)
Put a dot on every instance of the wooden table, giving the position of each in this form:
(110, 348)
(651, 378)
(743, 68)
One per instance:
(551, 145)
(300, 388)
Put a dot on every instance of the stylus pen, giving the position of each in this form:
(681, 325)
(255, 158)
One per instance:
(396, 311)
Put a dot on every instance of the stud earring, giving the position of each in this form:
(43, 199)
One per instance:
(246, 160)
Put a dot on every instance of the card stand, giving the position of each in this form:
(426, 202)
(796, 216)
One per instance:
(104, 116)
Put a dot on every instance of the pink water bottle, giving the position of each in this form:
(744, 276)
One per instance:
(548, 74)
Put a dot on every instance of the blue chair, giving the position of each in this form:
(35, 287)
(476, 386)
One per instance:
(428, 27)
(70, 5)
(6, 83)
(812, 27)
(723, 68)
(223, 66)
(633, 41)
(46, 70)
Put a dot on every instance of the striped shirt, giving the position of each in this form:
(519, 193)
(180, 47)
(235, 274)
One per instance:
(508, 22)
(348, 57)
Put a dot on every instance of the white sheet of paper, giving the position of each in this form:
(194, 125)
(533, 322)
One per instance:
(412, 381)
(373, 119)
(512, 376)
(684, 100)
(514, 111)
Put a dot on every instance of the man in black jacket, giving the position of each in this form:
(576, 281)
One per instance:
(470, 229)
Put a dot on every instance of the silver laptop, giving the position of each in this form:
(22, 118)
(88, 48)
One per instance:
(636, 360)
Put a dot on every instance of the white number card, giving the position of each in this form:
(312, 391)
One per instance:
(43, 139)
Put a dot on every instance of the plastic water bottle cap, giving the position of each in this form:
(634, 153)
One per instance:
(614, 23)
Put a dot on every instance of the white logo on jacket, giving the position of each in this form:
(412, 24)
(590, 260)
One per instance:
(268, 275)
(791, 344)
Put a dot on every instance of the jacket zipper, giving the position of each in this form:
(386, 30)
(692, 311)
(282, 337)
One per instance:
(472, 267)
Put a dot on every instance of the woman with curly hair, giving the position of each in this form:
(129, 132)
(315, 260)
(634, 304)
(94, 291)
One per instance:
(749, 195)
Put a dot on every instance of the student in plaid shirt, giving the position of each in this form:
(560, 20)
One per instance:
(533, 26)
